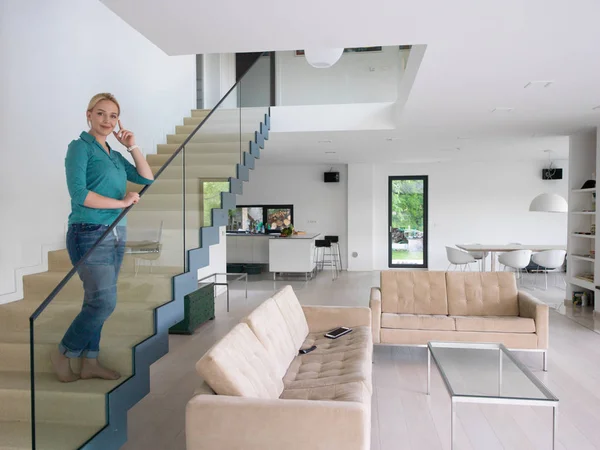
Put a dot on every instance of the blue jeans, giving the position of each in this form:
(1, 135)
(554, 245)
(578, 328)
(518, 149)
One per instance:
(99, 274)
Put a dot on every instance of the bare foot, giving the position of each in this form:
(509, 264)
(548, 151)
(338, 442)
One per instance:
(62, 367)
(91, 368)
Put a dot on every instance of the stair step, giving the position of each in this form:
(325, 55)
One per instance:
(49, 436)
(128, 318)
(218, 148)
(59, 261)
(211, 138)
(172, 220)
(212, 171)
(82, 402)
(174, 186)
(116, 351)
(151, 288)
(200, 112)
(195, 159)
(170, 202)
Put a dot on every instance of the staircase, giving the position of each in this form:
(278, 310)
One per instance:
(189, 201)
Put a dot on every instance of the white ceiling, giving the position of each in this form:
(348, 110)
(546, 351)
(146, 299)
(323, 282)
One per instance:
(479, 56)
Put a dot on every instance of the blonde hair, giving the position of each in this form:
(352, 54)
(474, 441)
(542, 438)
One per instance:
(103, 96)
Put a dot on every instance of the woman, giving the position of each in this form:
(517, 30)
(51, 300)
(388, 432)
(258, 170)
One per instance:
(97, 178)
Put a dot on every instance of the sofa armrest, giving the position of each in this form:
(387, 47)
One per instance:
(531, 307)
(325, 318)
(242, 423)
(375, 305)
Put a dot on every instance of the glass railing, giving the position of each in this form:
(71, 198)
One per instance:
(157, 240)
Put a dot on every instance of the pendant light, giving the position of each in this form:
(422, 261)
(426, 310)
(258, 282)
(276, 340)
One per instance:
(549, 203)
(323, 58)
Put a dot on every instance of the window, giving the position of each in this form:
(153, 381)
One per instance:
(211, 198)
(260, 218)
(407, 222)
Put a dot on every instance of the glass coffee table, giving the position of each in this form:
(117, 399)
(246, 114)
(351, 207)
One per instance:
(487, 373)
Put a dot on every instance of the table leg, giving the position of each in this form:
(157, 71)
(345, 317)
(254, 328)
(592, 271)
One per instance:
(500, 375)
(452, 424)
(227, 289)
(554, 426)
(428, 370)
(493, 261)
(246, 285)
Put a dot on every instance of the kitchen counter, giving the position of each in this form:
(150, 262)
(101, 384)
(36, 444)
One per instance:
(298, 236)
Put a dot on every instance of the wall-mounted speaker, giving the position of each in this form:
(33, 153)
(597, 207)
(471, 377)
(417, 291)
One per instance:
(552, 174)
(332, 177)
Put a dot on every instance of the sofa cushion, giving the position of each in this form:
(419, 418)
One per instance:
(482, 294)
(358, 338)
(501, 324)
(239, 365)
(414, 292)
(344, 392)
(293, 315)
(417, 322)
(268, 324)
(343, 360)
(422, 337)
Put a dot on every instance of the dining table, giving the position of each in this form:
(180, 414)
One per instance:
(492, 249)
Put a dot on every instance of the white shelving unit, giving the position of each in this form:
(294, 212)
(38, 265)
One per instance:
(581, 248)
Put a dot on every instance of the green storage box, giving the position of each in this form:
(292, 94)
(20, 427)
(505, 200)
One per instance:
(199, 307)
(253, 269)
(235, 268)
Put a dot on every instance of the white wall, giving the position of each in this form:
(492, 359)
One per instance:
(318, 206)
(219, 76)
(468, 202)
(54, 56)
(350, 80)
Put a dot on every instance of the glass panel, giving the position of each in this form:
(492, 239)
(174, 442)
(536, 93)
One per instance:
(131, 266)
(212, 156)
(125, 277)
(408, 222)
(486, 371)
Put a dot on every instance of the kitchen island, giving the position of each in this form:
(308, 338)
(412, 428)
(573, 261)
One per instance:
(293, 254)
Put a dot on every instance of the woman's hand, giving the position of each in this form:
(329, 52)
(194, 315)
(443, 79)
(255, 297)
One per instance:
(131, 198)
(125, 137)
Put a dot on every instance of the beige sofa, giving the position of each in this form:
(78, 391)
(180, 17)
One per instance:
(415, 307)
(259, 393)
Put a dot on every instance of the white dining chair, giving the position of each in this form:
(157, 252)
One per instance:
(459, 258)
(549, 260)
(517, 260)
(479, 256)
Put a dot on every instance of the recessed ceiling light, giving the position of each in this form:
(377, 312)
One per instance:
(502, 109)
(540, 83)
(326, 141)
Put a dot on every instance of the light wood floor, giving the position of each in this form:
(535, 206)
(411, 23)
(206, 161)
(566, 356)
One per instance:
(403, 416)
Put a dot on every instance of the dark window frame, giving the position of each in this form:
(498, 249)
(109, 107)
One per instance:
(425, 179)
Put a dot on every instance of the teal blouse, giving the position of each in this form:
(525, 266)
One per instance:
(90, 168)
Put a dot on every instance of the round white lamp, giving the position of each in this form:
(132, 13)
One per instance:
(323, 58)
(549, 203)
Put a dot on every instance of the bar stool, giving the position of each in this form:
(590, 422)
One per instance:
(327, 250)
(335, 244)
